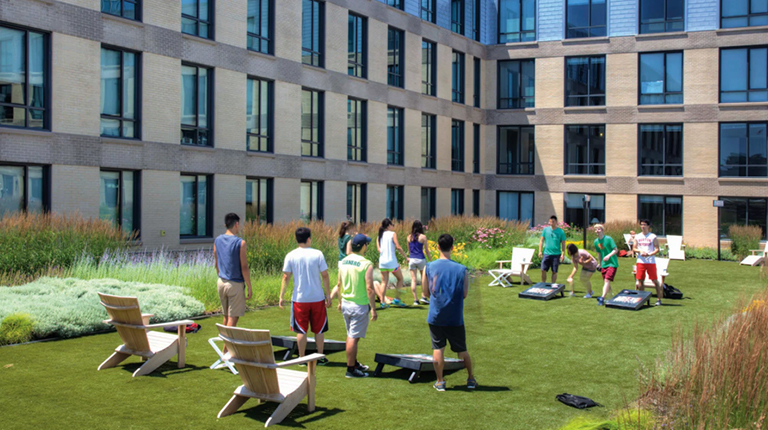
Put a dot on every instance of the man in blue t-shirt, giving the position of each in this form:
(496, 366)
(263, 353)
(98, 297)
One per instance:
(445, 283)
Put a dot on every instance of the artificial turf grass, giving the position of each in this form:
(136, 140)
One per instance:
(525, 352)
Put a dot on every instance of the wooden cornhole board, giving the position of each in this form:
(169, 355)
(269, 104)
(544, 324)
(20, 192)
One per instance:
(632, 300)
(542, 291)
(293, 346)
(416, 362)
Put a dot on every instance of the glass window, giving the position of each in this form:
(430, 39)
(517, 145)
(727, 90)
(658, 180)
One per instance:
(428, 10)
(428, 141)
(743, 149)
(396, 3)
(356, 130)
(311, 201)
(517, 83)
(476, 202)
(659, 16)
(457, 16)
(24, 80)
(195, 105)
(475, 148)
(196, 209)
(428, 70)
(259, 115)
(745, 79)
(664, 212)
(311, 123)
(119, 93)
(585, 150)
(395, 57)
(128, 9)
(260, 17)
(585, 81)
(457, 146)
(661, 150)
(395, 202)
(356, 202)
(517, 21)
(574, 209)
(357, 46)
(477, 89)
(457, 201)
(743, 211)
(585, 18)
(743, 13)
(394, 136)
(427, 204)
(516, 150)
(118, 199)
(661, 78)
(312, 32)
(476, 20)
(23, 189)
(197, 18)
(457, 82)
(515, 206)
(259, 200)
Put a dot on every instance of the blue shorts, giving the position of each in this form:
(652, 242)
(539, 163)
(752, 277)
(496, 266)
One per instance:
(550, 261)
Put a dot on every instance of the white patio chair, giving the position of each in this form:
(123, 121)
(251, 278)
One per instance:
(675, 248)
(662, 264)
(518, 266)
(758, 257)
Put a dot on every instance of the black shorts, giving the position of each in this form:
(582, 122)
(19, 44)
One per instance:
(550, 261)
(453, 334)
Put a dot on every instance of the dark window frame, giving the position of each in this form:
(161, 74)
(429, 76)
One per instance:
(270, 29)
(47, 188)
(270, 198)
(210, 22)
(320, 199)
(396, 207)
(458, 149)
(515, 102)
(522, 35)
(664, 166)
(429, 87)
(457, 207)
(476, 23)
(589, 164)
(358, 69)
(209, 107)
(428, 13)
(270, 117)
(519, 203)
(476, 78)
(476, 203)
(320, 144)
(458, 77)
(748, 77)
(748, 16)
(137, 129)
(208, 207)
(724, 235)
(319, 55)
(362, 199)
(720, 148)
(429, 160)
(362, 146)
(431, 196)
(667, 21)
(395, 57)
(47, 80)
(514, 169)
(589, 96)
(457, 20)
(654, 227)
(136, 198)
(397, 4)
(476, 148)
(665, 93)
(579, 223)
(589, 27)
(396, 155)
(137, 6)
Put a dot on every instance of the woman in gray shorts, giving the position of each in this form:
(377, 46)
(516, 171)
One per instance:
(418, 255)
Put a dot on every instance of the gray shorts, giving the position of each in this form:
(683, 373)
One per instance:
(355, 318)
(417, 264)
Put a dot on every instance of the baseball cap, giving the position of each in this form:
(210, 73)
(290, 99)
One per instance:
(359, 240)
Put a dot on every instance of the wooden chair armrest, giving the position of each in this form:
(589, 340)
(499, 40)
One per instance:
(166, 324)
(300, 360)
(115, 323)
(753, 251)
(501, 262)
(145, 318)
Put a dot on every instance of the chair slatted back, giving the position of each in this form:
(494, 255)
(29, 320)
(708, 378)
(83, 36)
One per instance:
(521, 256)
(126, 310)
(675, 243)
(627, 239)
(661, 267)
(252, 345)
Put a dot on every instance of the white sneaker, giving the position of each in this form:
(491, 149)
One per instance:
(572, 294)
(588, 296)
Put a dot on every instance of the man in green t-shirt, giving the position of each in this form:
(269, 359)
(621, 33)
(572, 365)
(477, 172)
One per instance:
(607, 250)
(357, 300)
(553, 241)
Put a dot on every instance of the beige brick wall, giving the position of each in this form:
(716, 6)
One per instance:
(335, 202)
(160, 203)
(412, 138)
(412, 203)
(699, 221)
(287, 199)
(336, 37)
(549, 150)
(228, 196)
(444, 71)
(75, 189)
(412, 62)
(288, 116)
(490, 85)
(468, 202)
(443, 200)
(621, 84)
(377, 133)
(230, 109)
(550, 83)
(621, 150)
(546, 204)
(701, 80)
(443, 144)
(231, 24)
(288, 30)
(161, 99)
(88, 4)
(377, 203)
(700, 150)
(335, 126)
(377, 47)
(165, 14)
(76, 74)
(620, 207)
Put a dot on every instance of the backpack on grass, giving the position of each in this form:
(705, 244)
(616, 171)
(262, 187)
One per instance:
(577, 402)
(671, 292)
(191, 328)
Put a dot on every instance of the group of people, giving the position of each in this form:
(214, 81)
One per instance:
(645, 245)
(445, 284)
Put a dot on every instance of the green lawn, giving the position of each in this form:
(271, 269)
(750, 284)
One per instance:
(525, 353)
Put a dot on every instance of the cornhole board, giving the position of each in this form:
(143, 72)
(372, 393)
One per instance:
(416, 362)
(631, 300)
(292, 346)
(542, 291)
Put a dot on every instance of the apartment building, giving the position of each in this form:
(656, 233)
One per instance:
(163, 115)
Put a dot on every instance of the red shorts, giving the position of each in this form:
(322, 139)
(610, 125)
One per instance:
(642, 269)
(608, 273)
(304, 315)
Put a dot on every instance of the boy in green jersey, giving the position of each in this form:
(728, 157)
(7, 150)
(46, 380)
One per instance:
(357, 300)
(606, 247)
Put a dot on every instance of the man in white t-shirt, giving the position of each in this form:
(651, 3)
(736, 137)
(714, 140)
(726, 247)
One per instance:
(646, 246)
(309, 299)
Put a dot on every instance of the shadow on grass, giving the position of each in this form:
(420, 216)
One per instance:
(480, 388)
(423, 378)
(167, 369)
(298, 417)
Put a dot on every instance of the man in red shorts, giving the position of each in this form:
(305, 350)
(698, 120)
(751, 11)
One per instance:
(646, 247)
(309, 299)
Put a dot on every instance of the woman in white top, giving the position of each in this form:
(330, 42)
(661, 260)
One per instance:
(386, 244)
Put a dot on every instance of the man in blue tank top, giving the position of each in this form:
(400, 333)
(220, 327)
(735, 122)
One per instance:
(229, 252)
(446, 283)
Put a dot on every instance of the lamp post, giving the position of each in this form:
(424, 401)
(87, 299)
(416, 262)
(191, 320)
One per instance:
(586, 219)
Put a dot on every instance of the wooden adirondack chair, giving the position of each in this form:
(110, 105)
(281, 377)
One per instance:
(675, 248)
(263, 379)
(518, 266)
(155, 348)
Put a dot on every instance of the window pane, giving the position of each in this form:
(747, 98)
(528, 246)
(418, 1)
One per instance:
(110, 197)
(110, 82)
(733, 149)
(735, 7)
(188, 96)
(733, 77)
(202, 98)
(526, 207)
(128, 202)
(187, 213)
(509, 205)
(202, 205)
(578, 13)
(652, 208)
(37, 55)
(12, 66)
(598, 15)
(11, 189)
(673, 216)
(129, 85)
(35, 185)
(758, 63)
(674, 72)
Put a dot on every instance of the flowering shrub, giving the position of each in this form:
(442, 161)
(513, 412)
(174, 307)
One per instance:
(491, 237)
(568, 229)
(457, 254)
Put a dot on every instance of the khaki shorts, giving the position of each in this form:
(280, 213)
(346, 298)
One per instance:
(232, 296)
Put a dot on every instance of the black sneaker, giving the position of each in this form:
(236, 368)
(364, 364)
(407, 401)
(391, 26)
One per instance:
(362, 367)
(424, 301)
(357, 373)
(323, 361)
